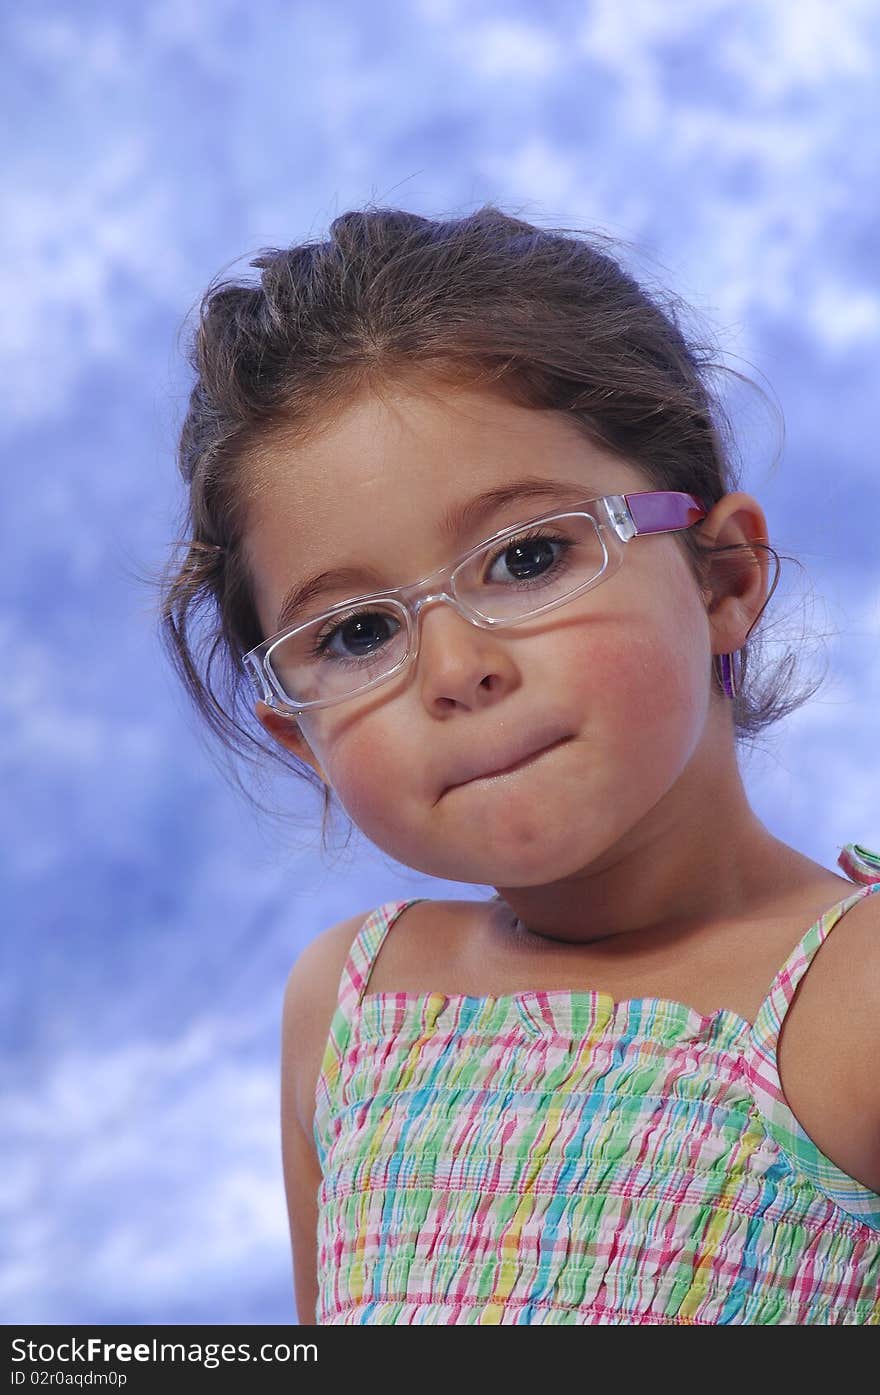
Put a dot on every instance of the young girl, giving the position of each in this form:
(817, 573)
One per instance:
(460, 505)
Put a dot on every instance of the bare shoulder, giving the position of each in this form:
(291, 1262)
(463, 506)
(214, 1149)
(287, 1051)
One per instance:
(409, 960)
(845, 973)
(310, 998)
(829, 1047)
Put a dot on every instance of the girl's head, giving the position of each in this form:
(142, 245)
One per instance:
(370, 385)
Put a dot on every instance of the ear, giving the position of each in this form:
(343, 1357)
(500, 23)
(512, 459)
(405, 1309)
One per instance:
(736, 581)
(287, 732)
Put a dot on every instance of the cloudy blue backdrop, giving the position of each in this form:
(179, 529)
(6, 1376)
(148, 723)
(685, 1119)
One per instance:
(150, 918)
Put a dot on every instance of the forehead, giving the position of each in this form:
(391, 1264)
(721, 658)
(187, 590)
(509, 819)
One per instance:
(418, 452)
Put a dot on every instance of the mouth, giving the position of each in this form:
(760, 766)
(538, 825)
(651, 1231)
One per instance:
(510, 769)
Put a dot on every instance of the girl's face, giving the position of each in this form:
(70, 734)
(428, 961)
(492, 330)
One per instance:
(622, 672)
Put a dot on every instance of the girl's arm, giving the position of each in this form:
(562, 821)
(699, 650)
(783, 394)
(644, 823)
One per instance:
(302, 1178)
(310, 999)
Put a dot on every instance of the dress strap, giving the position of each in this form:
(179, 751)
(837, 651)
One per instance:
(364, 951)
(862, 865)
(352, 985)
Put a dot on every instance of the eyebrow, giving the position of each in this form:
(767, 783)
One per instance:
(456, 521)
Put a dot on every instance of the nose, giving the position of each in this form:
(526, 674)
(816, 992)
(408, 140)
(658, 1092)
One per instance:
(454, 655)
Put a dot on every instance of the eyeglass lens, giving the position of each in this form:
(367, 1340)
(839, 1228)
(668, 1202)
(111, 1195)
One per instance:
(336, 655)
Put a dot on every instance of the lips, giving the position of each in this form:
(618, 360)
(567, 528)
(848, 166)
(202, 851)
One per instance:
(504, 761)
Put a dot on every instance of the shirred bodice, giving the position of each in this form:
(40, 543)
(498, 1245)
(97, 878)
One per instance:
(560, 1157)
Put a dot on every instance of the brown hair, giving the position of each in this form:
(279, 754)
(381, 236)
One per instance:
(551, 319)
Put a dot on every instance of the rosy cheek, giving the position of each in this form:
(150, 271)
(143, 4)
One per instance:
(360, 766)
(634, 684)
(603, 669)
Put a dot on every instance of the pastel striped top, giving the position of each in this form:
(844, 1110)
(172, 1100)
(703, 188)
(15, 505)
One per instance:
(559, 1157)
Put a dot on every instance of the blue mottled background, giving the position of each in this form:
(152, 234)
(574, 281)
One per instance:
(150, 917)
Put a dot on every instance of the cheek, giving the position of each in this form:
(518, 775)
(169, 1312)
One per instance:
(360, 763)
(639, 685)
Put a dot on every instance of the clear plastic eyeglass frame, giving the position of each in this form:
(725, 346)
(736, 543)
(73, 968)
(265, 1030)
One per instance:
(618, 519)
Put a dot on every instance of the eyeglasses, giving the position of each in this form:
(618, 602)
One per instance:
(519, 572)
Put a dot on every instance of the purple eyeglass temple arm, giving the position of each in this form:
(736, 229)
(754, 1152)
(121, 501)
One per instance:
(663, 511)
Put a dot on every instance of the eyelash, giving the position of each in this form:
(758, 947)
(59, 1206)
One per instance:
(325, 637)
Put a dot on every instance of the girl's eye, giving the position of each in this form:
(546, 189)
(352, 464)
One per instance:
(357, 633)
(528, 558)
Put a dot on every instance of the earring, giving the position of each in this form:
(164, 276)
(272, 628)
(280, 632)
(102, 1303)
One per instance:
(724, 667)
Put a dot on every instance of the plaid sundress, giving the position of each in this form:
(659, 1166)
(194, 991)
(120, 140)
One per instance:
(559, 1157)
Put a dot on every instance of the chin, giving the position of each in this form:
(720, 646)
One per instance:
(538, 865)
